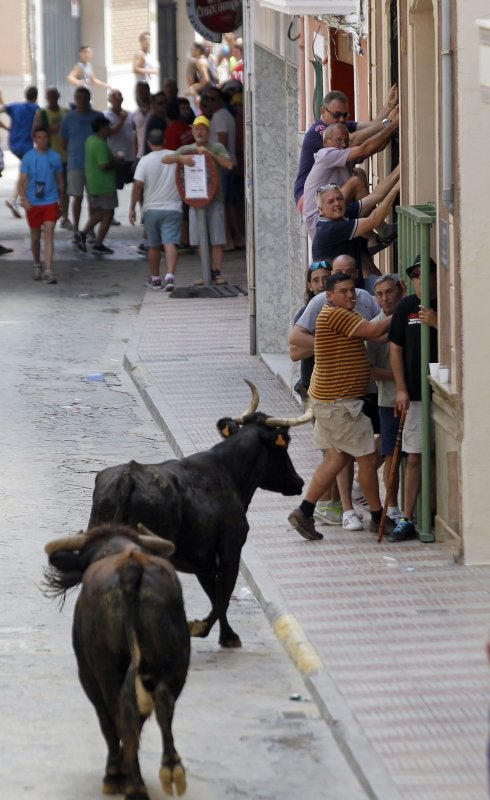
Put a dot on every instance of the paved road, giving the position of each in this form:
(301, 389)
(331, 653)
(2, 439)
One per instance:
(239, 734)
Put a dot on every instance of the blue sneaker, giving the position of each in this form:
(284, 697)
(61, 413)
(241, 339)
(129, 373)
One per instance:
(403, 531)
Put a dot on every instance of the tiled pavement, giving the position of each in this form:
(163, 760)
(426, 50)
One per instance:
(389, 638)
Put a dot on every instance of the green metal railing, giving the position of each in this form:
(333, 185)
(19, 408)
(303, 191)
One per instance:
(414, 224)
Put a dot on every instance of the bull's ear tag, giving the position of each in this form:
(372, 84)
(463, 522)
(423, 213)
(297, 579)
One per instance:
(225, 431)
(280, 441)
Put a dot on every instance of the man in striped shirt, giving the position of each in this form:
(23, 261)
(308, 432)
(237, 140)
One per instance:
(340, 379)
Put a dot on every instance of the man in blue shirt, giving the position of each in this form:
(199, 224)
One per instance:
(41, 190)
(75, 129)
(20, 136)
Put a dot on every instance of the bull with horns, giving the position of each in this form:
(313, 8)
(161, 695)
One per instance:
(131, 640)
(200, 502)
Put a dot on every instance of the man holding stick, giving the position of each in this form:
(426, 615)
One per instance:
(388, 291)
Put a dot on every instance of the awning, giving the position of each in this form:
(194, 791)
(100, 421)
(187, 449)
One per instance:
(313, 7)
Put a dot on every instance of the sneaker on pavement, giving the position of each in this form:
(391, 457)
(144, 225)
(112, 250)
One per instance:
(142, 249)
(101, 248)
(66, 225)
(388, 529)
(5, 250)
(168, 285)
(90, 236)
(351, 522)
(404, 530)
(37, 271)
(154, 283)
(14, 208)
(304, 525)
(80, 239)
(48, 276)
(329, 512)
(115, 222)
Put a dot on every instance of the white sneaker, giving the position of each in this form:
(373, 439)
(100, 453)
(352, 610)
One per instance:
(351, 522)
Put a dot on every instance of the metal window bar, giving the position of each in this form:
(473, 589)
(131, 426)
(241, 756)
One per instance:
(414, 224)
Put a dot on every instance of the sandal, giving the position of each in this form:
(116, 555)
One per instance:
(216, 278)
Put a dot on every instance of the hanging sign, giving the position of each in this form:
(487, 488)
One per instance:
(212, 18)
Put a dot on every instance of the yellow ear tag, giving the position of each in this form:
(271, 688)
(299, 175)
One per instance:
(226, 431)
(281, 441)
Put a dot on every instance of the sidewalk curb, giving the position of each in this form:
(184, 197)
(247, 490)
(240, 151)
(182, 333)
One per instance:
(355, 746)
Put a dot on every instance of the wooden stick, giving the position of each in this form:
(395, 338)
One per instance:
(395, 460)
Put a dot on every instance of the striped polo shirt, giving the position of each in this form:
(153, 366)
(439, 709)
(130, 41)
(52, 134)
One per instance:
(341, 364)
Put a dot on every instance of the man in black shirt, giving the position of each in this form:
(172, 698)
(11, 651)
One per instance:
(405, 357)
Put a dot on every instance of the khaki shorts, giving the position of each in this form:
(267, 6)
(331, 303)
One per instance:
(343, 426)
(412, 431)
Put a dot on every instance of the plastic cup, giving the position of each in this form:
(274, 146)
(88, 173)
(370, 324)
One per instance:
(434, 370)
(443, 374)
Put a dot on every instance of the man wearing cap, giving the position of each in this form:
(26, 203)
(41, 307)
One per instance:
(215, 210)
(405, 358)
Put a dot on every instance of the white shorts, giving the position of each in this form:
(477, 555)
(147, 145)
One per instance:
(343, 426)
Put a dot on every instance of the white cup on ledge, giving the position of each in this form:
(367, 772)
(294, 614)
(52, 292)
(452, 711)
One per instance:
(434, 370)
(443, 374)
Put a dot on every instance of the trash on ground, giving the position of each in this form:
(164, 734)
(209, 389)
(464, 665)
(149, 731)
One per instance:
(298, 698)
(95, 376)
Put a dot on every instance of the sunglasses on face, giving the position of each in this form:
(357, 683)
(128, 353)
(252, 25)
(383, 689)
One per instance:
(337, 114)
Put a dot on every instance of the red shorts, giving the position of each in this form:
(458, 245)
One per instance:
(36, 215)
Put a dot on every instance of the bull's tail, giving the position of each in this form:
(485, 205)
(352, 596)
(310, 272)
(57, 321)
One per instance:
(131, 570)
(125, 487)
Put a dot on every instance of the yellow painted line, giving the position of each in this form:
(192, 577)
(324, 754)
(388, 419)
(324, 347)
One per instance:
(291, 635)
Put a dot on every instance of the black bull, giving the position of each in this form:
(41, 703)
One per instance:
(131, 641)
(200, 502)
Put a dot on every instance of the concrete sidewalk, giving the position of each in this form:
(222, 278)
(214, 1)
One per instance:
(389, 638)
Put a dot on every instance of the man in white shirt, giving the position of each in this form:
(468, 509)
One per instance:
(154, 185)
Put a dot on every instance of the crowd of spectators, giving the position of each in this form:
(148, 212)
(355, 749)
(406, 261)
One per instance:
(95, 154)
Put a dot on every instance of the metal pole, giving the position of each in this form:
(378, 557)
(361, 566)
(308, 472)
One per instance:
(204, 245)
(425, 527)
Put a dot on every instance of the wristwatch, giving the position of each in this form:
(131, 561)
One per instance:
(385, 122)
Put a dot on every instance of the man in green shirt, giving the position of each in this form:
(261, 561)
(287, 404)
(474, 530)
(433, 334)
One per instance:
(100, 178)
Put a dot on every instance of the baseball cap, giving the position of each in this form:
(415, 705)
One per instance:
(416, 263)
(202, 120)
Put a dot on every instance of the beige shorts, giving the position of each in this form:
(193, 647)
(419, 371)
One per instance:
(412, 431)
(343, 426)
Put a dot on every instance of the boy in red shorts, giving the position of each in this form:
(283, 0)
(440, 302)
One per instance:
(41, 189)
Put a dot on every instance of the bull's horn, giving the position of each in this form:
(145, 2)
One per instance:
(254, 403)
(70, 543)
(274, 422)
(145, 531)
(161, 547)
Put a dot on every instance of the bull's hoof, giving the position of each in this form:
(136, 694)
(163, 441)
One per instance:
(114, 784)
(133, 793)
(230, 641)
(173, 776)
(198, 627)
